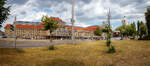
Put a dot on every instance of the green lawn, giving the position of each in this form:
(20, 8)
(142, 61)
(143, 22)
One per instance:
(129, 53)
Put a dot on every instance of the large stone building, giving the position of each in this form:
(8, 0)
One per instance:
(84, 33)
(34, 30)
(26, 30)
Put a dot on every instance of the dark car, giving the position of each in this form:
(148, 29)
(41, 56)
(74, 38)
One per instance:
(4, 36)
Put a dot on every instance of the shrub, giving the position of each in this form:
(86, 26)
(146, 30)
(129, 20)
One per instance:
(108, 43)
(145, 38)
(111, 49)
(51, 47)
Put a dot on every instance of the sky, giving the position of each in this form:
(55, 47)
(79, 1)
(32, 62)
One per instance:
(87, 12)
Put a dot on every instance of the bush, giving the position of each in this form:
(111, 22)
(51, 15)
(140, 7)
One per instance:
(108, 43)
(112, 49)
(51, 47)
(145, 38)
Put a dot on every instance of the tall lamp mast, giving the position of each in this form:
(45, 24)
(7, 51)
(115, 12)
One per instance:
(15, 31)
(72, 21)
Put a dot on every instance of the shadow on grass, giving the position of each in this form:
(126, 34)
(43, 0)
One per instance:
(7, 55)
(64, 62)
(11, 51)
(20, 51)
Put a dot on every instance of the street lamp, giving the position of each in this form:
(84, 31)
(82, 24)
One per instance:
(72, 21)
(15, 30)
(108, 19)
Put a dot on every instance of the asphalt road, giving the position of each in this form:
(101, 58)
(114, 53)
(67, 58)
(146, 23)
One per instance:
(115, 38)
(9, 43)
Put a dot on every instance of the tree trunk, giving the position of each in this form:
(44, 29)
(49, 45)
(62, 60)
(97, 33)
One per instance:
(50, 37)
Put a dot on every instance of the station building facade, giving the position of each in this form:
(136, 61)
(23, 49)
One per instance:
(34, 30)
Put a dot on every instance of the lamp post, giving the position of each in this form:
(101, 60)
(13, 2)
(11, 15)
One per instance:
(109, 27)
(108, 19)
(72, 21)
(15, 31)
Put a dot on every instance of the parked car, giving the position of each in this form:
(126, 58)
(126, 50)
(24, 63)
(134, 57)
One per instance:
(3, 36)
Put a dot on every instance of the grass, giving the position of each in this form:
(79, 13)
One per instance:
(128, 53)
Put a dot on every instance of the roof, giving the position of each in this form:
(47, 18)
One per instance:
(90, 28)
(75, 27)
(25, 26)
(28, 24)
(58, 19)
(8, 26)
(93, 28)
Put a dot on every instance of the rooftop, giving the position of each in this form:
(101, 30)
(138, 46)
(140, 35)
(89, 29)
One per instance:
(90, 28)
(27, 23)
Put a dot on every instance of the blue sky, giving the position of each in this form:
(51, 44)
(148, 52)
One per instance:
(87, 12)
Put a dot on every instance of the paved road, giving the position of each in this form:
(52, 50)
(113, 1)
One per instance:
(115, 38)
(9, 43)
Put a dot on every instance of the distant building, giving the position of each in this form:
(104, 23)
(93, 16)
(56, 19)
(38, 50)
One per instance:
(85, 33)
(34, 30)
(124, 21)
(26, 30)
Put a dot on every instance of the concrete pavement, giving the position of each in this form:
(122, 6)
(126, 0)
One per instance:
(9, 43)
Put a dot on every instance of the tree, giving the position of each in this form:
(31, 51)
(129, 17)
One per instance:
(127, 30)
(133, 32)
(141, 29)
(147, 17)
(122, 30)
(4, 12)
(111, 48)
(49, 24)
(98, 31)
(104, 30)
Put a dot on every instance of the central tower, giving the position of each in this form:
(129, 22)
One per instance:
(124, 21)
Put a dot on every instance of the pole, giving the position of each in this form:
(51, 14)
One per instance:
(109, 18)
(15, 31)
(72, 21)
(109, 27)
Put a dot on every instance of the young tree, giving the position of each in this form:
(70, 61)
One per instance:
(147, 17)
(111, 48)
(4, 12)
(49, 24)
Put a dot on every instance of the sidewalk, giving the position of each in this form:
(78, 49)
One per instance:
(9, 43)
